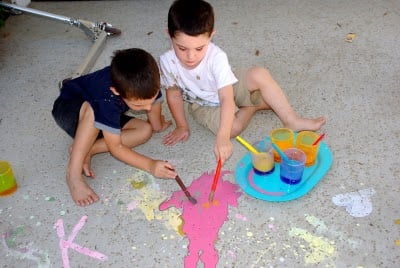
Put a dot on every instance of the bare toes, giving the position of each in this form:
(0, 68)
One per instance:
(81, 193)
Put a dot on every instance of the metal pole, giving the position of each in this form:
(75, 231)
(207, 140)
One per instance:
(92, 56)
(98, 32)
(39, 13)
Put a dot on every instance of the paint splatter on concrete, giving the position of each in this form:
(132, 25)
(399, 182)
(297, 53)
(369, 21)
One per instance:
(241, 217)
(147, 199)
(203, 220)
(320, 248)
(15, 247)
(358, 204)
(322, 228)
(397, 242)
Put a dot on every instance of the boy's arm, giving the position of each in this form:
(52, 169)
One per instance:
(156, 118)
(157, 168)
(223, 145)
(176, 106)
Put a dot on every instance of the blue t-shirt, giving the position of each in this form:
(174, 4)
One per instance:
(95, 89)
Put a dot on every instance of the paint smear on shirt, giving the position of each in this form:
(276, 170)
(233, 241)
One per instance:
(203, 220)
(320, 247)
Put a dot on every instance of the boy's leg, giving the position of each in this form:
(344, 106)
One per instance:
(66, 114)
(207, 116)
(133, 133)
(136, 132)
(77, 119)
(258, 78)
(248, 103)
(85, 137)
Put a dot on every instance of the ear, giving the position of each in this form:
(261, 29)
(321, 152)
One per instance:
(113, 90)
(212, 34)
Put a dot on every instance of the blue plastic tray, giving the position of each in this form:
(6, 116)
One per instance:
(271, 188)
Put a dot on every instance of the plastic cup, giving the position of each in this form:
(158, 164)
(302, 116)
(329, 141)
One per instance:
(283, 138)
(8, 185)
(263, 161)
(291, 172)
(304, 141)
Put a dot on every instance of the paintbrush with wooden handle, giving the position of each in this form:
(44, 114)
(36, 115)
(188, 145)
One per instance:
(184, 189)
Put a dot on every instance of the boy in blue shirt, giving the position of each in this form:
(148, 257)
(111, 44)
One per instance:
(197, 71)
(91, 109)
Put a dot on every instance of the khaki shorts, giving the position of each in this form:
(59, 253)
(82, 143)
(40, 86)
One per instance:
(209, 116)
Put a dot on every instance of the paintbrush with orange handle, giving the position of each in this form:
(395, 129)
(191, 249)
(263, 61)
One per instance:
(214, 185)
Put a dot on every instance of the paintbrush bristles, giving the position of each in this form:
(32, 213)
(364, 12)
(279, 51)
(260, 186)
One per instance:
(211, 196)
(192, 200)
(184, 189)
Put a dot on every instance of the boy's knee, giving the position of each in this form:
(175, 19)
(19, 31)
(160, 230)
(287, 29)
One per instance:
(147, 130)
(144, 132)
(259, 74)
(237, 128)
(258, 78)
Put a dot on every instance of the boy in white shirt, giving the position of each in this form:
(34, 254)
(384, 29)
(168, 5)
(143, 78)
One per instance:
(197, 71)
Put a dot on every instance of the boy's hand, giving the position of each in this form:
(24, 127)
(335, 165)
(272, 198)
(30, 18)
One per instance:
(164, 124)
(179, 134)
(223, 149)
(163, 169)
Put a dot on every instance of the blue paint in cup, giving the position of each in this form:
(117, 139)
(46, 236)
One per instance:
(291, 172)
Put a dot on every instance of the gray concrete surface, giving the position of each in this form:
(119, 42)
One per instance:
(356, 85)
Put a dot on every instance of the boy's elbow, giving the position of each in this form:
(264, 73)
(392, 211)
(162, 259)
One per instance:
(173, 93)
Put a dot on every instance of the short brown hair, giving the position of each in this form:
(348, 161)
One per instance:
(192, 17)
(135, 74)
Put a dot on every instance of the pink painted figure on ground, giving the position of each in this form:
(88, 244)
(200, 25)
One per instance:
(69, 243)
(203, 220)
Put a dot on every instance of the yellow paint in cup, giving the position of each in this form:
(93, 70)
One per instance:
(8, 185)
(263, 159)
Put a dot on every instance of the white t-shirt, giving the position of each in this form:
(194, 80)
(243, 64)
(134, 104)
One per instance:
(201, 84)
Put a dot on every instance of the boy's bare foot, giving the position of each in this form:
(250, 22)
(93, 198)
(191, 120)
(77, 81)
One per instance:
(300, 124)
(81, 193)
(87, 168)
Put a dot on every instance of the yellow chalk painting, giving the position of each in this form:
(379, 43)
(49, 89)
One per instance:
(320, 247)
(147, 198)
